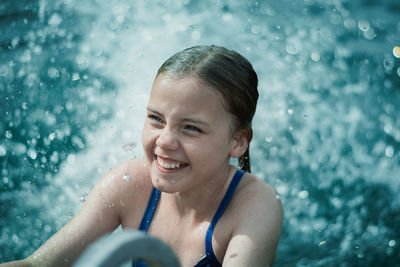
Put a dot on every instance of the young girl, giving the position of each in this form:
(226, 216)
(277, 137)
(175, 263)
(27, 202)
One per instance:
(184, 191)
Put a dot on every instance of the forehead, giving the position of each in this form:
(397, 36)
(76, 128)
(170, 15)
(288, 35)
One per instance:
(186, 91)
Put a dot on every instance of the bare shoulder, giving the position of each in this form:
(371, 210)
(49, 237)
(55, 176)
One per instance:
(128, 173)
(124, 184)
(258, 217)
(254, 193)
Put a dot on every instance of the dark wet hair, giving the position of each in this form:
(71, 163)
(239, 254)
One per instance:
(228, 72)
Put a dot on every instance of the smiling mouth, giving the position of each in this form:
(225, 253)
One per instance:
(169, 164)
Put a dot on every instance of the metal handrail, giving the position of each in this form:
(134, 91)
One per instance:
(117, 248)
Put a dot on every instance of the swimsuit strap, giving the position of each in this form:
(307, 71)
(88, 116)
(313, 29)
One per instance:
(225, 201)
(151, 208)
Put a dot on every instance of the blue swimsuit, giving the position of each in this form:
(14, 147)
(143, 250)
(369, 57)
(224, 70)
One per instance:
(209, 259)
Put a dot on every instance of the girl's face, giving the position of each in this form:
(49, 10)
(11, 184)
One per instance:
(186, 136)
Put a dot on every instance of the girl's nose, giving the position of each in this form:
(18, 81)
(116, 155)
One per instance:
(166, 140)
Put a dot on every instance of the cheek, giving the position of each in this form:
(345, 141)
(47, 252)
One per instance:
(148, 137)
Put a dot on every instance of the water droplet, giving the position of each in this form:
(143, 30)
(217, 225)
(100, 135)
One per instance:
(322, 243)
(389, 151)
(268, 139)
(306, 116)
(392, 243)
(173, 181)
(315, 56)
(24, 105)
(83, 197)
(52, 136)
(396, 51)
(53, 73)
(363, 25)
(388, 63)
(349, 24)
(75, 77)
(126, 177)
(303, 194)
(8, 135)
(255, 29)
(3, 151)
(196, 35)
(55, 20)
(70, 214)
(32, 153)
(290, 111)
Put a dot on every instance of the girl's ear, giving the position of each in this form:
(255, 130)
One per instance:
(241, 142)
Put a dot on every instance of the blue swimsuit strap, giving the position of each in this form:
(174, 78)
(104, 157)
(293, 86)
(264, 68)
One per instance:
(225, 201)
(209, 259)
(151, 208)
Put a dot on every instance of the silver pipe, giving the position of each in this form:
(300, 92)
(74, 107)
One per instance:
(115, 249)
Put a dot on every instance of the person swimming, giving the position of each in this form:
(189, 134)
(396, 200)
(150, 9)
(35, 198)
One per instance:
(199, 116)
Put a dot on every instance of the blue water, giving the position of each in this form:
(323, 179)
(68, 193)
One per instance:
(75, 77)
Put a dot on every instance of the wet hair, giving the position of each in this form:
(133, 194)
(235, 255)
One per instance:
(230, 74)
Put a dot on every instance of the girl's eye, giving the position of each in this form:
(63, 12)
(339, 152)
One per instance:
(193, 129)
(155, 118)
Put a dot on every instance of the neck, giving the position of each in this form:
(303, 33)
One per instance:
(196, 203)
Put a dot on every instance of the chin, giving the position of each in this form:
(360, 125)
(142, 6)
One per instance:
(163, 185)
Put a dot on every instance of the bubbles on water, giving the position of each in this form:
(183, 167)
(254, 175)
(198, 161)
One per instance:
(363, 25)
(54, 157)
(293, 45)
(55, 20)
(389, 151)
(255, 29)
(19, 149)
(388, 63)
(75, 77)
(53, 73)
(32, 153)
(227, 16)
(370, 34)
(126, 177)
(3, 151)
(47, 229)
(3, 70)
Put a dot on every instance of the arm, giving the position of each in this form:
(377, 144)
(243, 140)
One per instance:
(255, 239)
(98, 216)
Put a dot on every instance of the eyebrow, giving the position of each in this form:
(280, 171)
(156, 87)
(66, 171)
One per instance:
(192, 120)
(153, 111)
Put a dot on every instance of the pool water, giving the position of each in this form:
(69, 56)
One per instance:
(75, 77)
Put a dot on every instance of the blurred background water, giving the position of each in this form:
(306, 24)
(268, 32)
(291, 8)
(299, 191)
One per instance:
(75, 77)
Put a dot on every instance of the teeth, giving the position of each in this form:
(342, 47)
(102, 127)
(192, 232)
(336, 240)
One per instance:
(169, 165)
